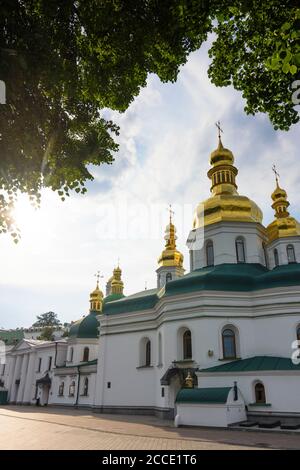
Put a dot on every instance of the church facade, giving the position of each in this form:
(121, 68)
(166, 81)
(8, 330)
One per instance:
(209, 347)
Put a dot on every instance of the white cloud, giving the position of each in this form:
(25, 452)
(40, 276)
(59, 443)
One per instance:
(166, 138)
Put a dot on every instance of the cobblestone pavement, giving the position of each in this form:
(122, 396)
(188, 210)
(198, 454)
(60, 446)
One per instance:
(28, 427)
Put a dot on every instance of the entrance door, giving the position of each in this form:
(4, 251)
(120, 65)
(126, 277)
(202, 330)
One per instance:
(45, 395)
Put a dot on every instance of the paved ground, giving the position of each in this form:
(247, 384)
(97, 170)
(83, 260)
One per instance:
(57, 428)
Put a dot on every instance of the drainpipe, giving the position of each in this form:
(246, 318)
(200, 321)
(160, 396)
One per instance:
(55, 353)
(78, 384)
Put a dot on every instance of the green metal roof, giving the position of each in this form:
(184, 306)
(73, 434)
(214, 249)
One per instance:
(11, 337)
(113, 297)
(86, 327)
(203, 395)
(257, 363)
(234, 277)
(140, 301)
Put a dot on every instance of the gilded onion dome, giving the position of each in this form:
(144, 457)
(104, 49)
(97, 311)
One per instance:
(170, 255)
(225, 203)
(284, 225)
(96, 299)
(117, 284)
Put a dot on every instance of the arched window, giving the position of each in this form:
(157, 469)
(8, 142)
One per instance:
(187, 345)
(210, 253)
(240, 250)
(265, 255)
(71, 354)
(291, 254)
(168, 277)
(260, 394)
(145, 352)
(86, 353)
(86, 387)
(229, 343)
(72, 389)
(148, 353)
(276, 257)
(61, 389)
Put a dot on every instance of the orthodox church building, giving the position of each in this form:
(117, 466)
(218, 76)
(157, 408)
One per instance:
(213, 346)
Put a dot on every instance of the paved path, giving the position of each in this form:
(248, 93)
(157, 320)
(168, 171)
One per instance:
(59, 428)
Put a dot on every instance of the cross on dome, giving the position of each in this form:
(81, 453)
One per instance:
(277, 175)
(171, 212)
(218, 125)
(98, 276)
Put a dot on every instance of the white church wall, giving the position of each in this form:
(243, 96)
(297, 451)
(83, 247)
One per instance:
(124, 381)
(282, 389)
(78, 346)
(281, 245)
(223, 235)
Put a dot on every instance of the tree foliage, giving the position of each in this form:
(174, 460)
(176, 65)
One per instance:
(47, 319)
(64, 61)
(47, 334)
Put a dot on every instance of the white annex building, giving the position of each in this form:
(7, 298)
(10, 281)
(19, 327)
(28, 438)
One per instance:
(214, 346)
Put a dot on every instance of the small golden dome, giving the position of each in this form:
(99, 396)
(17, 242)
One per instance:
(170, 255)
(284, 225)
(225, 204)
(221, 155)
(96, 299)
(117, 284)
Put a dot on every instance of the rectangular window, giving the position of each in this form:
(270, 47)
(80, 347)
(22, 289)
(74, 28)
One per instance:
(162, 392)
(50, 363)
(108, 384)
(3, 369)
(40, 364)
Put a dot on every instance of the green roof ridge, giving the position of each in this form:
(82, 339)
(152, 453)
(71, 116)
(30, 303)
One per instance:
(233, 277)
(216, 395)
(256, 363)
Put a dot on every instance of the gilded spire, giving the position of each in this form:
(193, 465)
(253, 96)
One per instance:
(279, 197)
(96, 297)
(223, 173)
(284, 225)
(225, 203)
(170, 255)
(117, 284)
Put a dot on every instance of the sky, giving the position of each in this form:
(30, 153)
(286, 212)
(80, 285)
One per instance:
(166, 137)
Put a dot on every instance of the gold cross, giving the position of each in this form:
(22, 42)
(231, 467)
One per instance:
(171, 212)
(277, 175)
(218, 124)
(98, 276)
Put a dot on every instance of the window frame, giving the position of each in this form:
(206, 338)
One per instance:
(210, 256)
(290, 249)
(233, 336)
(187, 349)
(262, 400)
(86, 354)
(276, 257)
(239, 241)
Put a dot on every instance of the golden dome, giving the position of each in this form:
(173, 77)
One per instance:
(96, 299)
(117, 284)
(170, 255)
(225, 204)
(284, 225)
